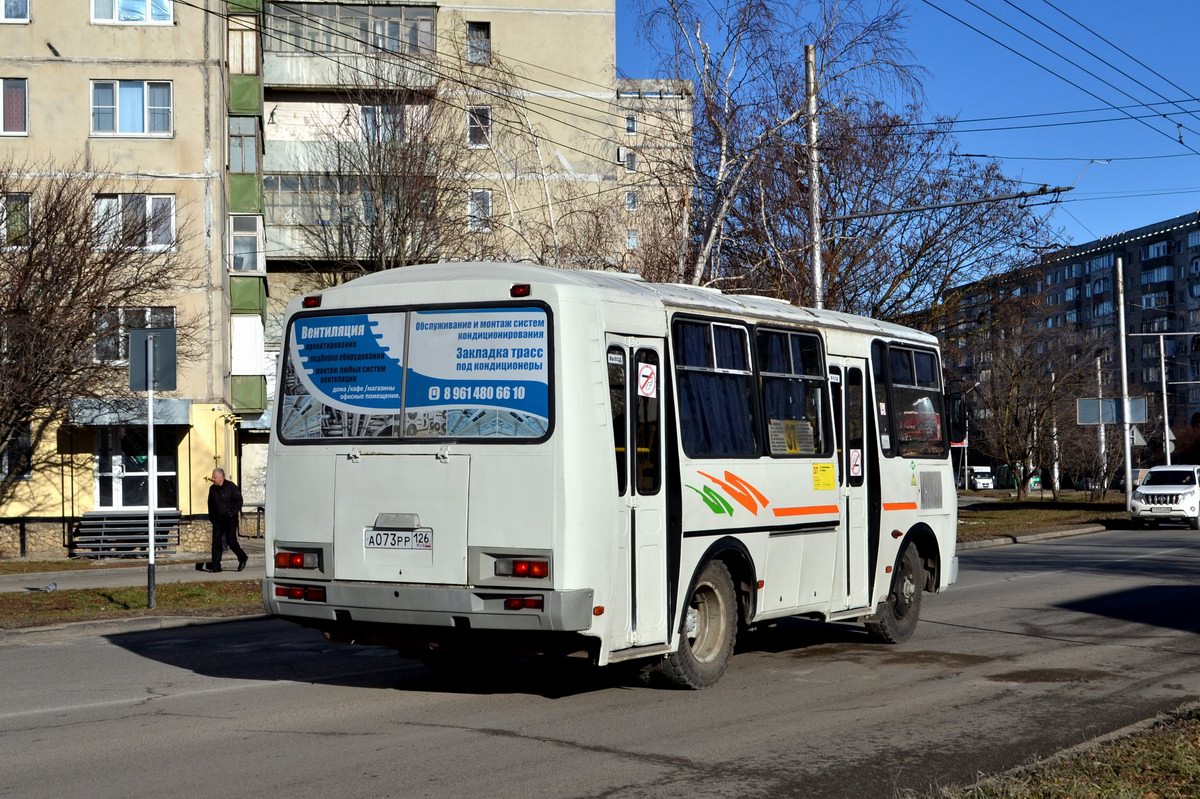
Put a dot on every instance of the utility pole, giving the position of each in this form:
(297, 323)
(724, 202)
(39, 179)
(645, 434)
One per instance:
(1124, 381)
(814, 175)
(1162, 376)
(1103, 476)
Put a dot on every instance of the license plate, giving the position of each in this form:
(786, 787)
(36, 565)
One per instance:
(398, 539)
(1160, 510)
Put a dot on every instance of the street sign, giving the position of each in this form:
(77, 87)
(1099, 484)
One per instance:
(1107, 410)
(164, 358)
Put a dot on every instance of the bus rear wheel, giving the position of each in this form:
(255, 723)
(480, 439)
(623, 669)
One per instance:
(896, 621)
(709, 631)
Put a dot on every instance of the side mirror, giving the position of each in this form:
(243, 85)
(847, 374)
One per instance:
(956, 403)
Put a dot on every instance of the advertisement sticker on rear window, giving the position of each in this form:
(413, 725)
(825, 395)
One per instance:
(471, 373)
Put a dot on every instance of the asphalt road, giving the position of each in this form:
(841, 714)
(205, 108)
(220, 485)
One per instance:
(1039, 647)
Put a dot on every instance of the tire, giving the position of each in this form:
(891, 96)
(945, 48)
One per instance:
(896, 620)
(1194, 523)
(709, 631)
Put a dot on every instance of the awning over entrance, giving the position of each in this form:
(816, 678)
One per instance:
(122, 411)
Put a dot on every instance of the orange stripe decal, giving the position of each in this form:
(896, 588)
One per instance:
(806, 510)
(899, 506)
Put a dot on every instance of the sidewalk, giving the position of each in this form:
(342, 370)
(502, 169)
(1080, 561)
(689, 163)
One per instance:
(177, 568)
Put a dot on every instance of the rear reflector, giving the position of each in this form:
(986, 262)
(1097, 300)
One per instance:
(520, 290)
(308, 593)
(524, 603)
(311, 301)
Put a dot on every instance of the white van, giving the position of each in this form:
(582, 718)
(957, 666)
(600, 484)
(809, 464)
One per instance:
(980, 477)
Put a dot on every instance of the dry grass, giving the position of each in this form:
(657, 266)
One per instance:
(208, 599)
(1162, 762)
(1008, 517)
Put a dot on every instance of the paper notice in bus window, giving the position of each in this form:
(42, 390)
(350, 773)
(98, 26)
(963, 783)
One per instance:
(791, 437)
(479, 372)
(824, 478)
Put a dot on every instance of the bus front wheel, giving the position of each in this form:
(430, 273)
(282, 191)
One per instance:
(709, 631)
(896, 620)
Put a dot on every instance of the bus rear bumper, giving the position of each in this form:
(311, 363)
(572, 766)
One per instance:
(459, 608)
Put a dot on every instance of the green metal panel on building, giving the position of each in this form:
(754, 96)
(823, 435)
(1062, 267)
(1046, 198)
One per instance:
(248, 393)
(248, 294)
(241, 6)
(245, 95)
(246, 194)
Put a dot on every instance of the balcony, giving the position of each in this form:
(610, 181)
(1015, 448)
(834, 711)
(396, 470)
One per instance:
(307, 71)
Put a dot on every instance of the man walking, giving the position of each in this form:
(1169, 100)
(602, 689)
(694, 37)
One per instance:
(224, 510)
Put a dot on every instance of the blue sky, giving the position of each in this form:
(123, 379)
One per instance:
(973, 78)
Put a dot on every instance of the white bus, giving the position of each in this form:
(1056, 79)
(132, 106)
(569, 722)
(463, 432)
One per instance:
(511, 458)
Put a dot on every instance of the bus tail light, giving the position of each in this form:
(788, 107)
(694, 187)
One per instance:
(296, 560)
(511, 567)
(306, 593)
(524, 603)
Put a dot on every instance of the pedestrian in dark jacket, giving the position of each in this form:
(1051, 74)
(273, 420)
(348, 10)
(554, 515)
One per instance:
(224, 510)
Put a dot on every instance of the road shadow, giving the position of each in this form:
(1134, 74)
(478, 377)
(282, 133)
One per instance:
(276, 651)
(796, 636)
(1169, 606)
(1164, 554)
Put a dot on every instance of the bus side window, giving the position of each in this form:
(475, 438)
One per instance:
(617, 398)
(855, 435)
(880, 394)
(646, 434)
(839, 435)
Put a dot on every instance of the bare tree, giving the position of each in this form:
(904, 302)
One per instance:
(1031, 375)
(77, 245)
(745, 59)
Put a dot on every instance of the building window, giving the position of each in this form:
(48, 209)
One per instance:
(383, 123)
(631, 124)
(1072, 316)
(14, 220)
(1102, 309)
(131, 107)
(631, 239)
(1102, 285)
(14, 11)
(479, 42)
(308, 28)
(243, 145)
(628, 157)
(245, 246)
(242, 50)
(1156, 299)
(16, 454)
(1071, 294)
(138, 221)
(1194, 240)
(113, 326)
(1156, 250)
(1105, 261)
(479, 125)
(1159, 274)
(479, 210)
(631, 201)
(132, 12)
(14, 106)
(1194, 290)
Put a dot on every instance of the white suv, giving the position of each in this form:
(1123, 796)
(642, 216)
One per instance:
(1169, 493)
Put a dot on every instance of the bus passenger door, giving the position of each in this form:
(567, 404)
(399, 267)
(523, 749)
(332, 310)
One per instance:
(635, 386)
(853, 465)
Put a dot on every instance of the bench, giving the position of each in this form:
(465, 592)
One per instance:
(123, 534)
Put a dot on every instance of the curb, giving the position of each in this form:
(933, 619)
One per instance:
(1031, 538)
(136, 624)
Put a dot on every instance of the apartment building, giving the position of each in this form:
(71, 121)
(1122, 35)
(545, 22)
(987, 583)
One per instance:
(151, 95)
(1075, 290)
(1161, 266)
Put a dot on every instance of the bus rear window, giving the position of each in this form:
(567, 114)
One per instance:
(474, 373)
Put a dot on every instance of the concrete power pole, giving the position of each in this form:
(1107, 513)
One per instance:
(814, 175)
(1125, 426)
